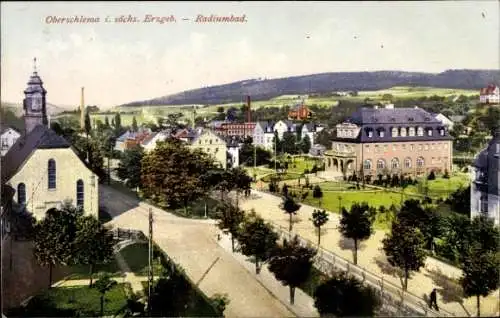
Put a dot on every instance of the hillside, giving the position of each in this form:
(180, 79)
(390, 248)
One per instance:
(324, 83)
(17, 108)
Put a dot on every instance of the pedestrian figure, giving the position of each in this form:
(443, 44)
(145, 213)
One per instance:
(433, 301)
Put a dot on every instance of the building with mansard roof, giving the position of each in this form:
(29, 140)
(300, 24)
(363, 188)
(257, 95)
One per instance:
(380, 141)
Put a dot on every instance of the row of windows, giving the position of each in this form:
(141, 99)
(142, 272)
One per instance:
(411, 147)
(405, 131)
(207, 141)
(395, 164)
(21, 193)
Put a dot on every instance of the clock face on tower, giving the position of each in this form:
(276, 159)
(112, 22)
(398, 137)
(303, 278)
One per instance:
(36, 102)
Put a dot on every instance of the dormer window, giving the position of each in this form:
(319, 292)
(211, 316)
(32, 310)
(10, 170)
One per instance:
(441, 132)
(429, 132)
(394, 132)
(411, 132)
(381, 133)
(420, 131)
(370, 134)
(402, 132)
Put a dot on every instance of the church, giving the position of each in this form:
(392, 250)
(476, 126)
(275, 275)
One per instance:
(41, 170)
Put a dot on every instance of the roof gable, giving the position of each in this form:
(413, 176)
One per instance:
(40, 137)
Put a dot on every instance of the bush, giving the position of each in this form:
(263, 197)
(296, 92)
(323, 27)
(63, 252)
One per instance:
(306, 171)
(446, 175)
(431, 176)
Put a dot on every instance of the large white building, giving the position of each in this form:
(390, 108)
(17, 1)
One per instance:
(41, 169)
(263, 134)
(485, 190)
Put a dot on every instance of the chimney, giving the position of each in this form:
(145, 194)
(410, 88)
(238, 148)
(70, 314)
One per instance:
(249, 109)
(82, 110)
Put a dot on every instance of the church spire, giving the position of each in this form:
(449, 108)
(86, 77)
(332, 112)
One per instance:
(34, 65)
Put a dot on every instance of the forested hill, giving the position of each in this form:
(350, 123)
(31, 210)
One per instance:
(326, 82)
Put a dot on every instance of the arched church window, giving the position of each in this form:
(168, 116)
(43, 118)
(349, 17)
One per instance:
(21, 194)
(51, 174)
(80, 194)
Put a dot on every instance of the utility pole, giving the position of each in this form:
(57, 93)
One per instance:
(109, 170)
(275, 154)
(150, 261)
(254, 159)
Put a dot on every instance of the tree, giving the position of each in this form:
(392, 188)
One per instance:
(460, 200)
(220, 109)
(129, 167)
(289, 143)
(248, 152)
(230, 218)
(431, 176)
(103, 285)
(172, 174)
(277, 144)
(480, 273)
(405, 249)
(345, 296)
(292, 264)
(290, 207)
(171, 295)
(319, 218)
(54, 237)
(240, 181)
(94, 243)
(425, 219)
(357, 224)
(324, 138)
(134, 124)
(257, 239)
(117, 121)
(88, 126)
(106, 122)
(305, 144)
(317, 193)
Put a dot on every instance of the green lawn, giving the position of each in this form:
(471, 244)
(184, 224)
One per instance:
(76, 301)
(299, 164)
(136, 256)
(82, 271)
(282, 176)
(440, 187)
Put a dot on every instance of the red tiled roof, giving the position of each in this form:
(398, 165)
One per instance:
(488, 90)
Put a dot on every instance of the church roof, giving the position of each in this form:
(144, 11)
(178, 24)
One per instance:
(40, 137)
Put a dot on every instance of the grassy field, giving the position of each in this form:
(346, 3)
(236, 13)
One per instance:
(83, 271)
(440, 187)
(398, 92)
(136, 256)
(299, 164)
(146, 113)
(76, 301)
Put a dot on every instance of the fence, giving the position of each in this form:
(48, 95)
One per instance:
(394, 299)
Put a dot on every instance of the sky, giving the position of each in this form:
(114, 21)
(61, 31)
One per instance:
(124, 62)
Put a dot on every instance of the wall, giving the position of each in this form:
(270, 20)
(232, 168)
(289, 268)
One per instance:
(214, 146)
(388, 151)
(69, 168)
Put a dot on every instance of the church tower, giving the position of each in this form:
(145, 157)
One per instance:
(35, 109)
